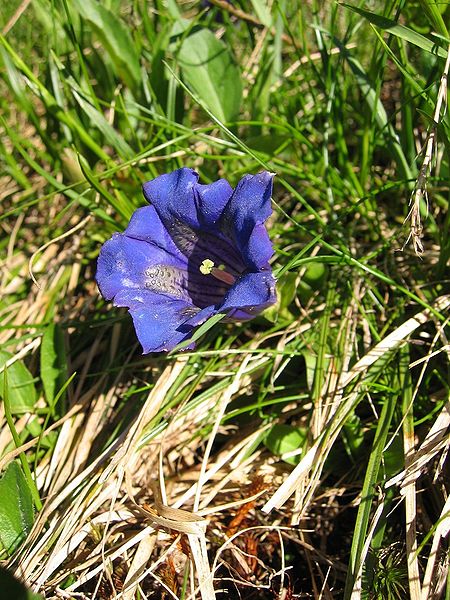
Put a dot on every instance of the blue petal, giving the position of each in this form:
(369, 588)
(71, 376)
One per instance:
(178, 197)
(126, 263)
(244, 217)
(172, 194)
(161, 322)
(252, 293)
(146, 225)
(211, 201)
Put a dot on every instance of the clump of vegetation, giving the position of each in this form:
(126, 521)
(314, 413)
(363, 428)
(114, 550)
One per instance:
(299, 454)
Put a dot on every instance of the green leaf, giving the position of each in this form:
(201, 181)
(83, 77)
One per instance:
(199, 332)
(98, 120)
(310, 358)
(16, 508)
(15, 80)
(53, 361)
(286, 291)
(353, 434)
(208, 67)
(315, 274)
(13, 589)
(400, 31)
(368, 493)
(268, 144)
(394, 457)
(374, 103)
(262, 12)
(115, 38)
(21, 390)
(283, 438)
(433, 9)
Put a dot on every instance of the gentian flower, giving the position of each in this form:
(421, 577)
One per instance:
(195, 251)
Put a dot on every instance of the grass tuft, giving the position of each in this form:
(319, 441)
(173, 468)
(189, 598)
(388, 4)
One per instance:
(302, 454)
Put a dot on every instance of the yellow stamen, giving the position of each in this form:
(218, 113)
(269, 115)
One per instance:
(208, 268)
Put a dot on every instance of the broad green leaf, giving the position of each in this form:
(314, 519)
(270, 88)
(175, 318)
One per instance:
(21, 390)
(173, 9)
(283, 438)
(394, 457)
(400, 31)
(115, 38)
(315, 274)
(353, 434)
(208, 67)
(13, 589)
(53, 361)
(16, 508)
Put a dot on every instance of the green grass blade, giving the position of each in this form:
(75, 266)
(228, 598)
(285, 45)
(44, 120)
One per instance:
(401, 31)
(368, 492)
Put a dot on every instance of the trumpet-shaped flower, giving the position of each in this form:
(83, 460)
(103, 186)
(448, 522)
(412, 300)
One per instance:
(195, 251)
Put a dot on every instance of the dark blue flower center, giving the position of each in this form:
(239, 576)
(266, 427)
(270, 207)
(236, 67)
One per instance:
(193, 282)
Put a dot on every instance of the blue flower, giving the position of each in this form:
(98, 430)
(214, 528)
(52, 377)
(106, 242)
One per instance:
(196, 251)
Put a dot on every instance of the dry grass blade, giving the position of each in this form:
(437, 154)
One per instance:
(430, 590)
(16, 16)
(311, 464)
(63, 236)
(420, 193)
(357, 588)
(204, 574)
(142, 556)
(225, 399)
(435, 441)
(104, 476)
(410, 522)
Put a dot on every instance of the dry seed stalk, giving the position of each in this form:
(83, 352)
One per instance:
(420, 189)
